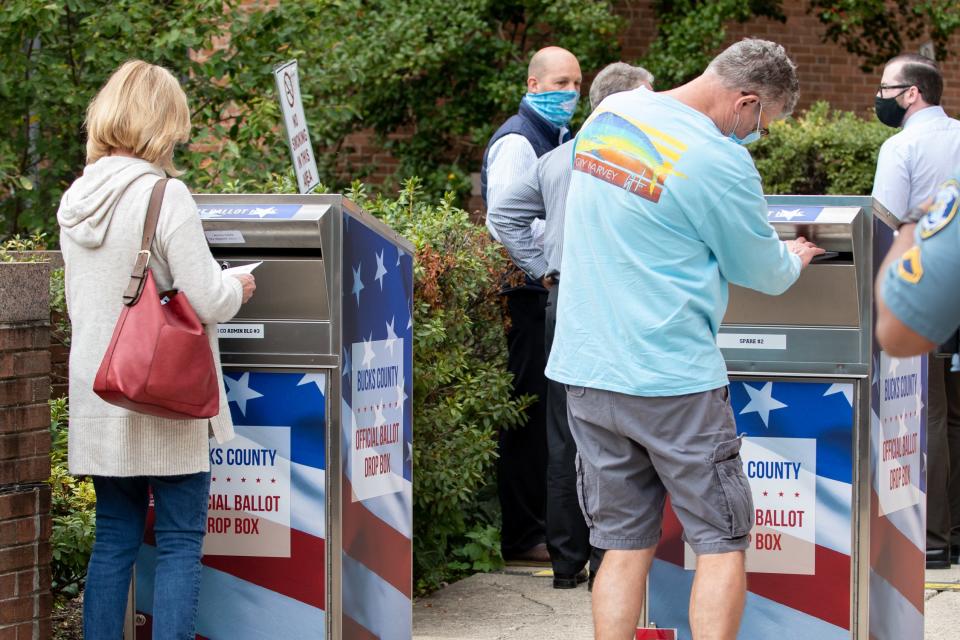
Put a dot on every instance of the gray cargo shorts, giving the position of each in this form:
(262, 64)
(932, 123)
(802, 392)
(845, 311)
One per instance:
(633, 451)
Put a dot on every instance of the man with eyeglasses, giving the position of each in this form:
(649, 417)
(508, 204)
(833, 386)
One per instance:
(665, 208)
(910, 167)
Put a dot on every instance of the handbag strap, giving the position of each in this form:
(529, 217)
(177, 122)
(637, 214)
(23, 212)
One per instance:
(139, 275)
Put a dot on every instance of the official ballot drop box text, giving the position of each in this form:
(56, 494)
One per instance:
(310, 512)
(834, 447)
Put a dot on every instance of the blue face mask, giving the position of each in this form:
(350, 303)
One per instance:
(751, 137)
(556, 107)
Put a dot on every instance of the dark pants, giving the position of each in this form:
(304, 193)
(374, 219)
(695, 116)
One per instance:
(953, 441)
(943, 455)
(568, 538)
(522, 467)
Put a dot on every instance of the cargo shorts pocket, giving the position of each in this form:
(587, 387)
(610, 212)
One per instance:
(736, 490)
(582, 493)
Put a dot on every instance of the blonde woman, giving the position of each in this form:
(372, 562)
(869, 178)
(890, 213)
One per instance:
(132, 126)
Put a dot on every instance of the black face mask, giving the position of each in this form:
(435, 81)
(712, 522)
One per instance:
(889, 112)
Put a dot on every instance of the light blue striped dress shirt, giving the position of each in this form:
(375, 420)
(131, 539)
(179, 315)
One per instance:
(540, 193)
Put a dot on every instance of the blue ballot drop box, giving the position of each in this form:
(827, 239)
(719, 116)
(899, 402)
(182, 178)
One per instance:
(310, 512)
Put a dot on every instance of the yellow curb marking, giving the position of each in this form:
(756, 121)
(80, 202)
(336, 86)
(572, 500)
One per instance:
(546, 573)
(942, 586)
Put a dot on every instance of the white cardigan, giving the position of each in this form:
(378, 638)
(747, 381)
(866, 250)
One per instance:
(101, 224)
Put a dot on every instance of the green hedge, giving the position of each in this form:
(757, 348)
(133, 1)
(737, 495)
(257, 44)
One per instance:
(462, 390)
(822, 151)
(72, 510)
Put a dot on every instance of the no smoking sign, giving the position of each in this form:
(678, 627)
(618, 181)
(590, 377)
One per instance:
(301, 150)
(288, 89)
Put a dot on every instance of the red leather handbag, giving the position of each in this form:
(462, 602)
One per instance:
(159, 361)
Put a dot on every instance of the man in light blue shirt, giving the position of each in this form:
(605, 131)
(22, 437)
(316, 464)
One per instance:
(664, 209)
(910, 167)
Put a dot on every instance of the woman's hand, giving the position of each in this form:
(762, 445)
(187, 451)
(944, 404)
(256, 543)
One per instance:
(249, 285)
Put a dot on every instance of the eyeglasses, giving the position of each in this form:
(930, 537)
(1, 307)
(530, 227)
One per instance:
(763, 131)
(885, 87)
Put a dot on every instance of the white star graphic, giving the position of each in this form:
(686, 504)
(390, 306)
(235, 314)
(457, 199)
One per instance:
(357, 283)
(401, 394)
(346, 362)
(844, 388)
(319, 379)
(391, 335)
(762, 402)
(788, 214)
(381, 270)
(239, 391)
(410, 309)
(378, 418)
(894, 365)
(368, 354)
(399, 255)
(409, 451)
(902, 431)
(920, 404)
(264, 211)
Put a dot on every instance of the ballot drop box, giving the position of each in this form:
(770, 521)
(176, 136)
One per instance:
(834, 442)
(310, 512)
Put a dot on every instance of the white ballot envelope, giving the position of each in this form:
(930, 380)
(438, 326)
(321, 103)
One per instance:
(246, 268)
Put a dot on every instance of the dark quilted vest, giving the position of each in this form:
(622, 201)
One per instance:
(542, 135)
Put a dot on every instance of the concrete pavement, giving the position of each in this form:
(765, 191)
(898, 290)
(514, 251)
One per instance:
(942, 606)
(520, 603)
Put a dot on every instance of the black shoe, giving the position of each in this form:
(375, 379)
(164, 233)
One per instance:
(568, 580)
(938, 559)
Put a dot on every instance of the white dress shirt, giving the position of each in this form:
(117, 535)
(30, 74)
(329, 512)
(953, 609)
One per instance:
(913, 163)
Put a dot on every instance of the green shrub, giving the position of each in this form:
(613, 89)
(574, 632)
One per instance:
(462, 390)
(820, 152)
(72, 509)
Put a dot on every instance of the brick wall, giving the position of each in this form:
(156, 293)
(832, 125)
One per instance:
(25, 600)
(827, 71)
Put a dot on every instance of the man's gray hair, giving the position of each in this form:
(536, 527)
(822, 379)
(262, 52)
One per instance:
(617, 77)
(760, 67)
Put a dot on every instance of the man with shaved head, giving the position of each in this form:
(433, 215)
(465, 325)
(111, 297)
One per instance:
(541, 193)
(540, 125)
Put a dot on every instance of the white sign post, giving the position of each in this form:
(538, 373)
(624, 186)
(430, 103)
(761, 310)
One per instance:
(301, 150)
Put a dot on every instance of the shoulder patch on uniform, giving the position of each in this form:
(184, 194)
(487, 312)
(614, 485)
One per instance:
(909, 268)
(942, 211)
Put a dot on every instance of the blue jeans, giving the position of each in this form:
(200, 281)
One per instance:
(180, 507)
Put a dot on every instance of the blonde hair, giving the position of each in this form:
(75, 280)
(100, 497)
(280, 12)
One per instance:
(142, 110)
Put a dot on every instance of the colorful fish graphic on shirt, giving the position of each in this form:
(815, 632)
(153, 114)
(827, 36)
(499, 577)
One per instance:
(628, 154)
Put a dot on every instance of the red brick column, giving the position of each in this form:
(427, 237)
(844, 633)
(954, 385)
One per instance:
(25, 600)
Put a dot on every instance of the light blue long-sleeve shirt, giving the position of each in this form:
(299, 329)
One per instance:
(663, 211)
